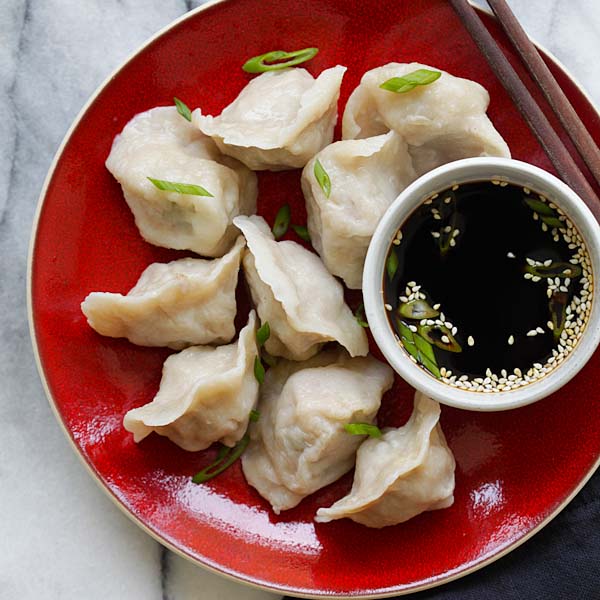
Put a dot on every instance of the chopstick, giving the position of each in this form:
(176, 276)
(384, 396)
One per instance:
(538, 123)
(540, 72)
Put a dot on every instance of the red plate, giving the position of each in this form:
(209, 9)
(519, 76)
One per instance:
(515, 470)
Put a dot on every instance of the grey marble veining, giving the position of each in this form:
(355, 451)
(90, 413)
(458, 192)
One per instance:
(60, 536)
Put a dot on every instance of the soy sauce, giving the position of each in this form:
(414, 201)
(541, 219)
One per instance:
(480, 255)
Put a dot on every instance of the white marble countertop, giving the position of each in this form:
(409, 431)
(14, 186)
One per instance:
(61, 537)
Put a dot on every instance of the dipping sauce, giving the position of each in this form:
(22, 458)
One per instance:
(488, 286)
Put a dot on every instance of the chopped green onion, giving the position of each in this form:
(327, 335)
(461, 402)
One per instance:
(558, 311)
(278, 59)
(225, 458)
(259, 370)
(406, 83)
(183, 109)
(419, 348)
(282, 221)
(391, 265)
(363, 429)
(359, 315)
(417, 309)
(322, 178)
(552, 221)
(434, 334)
(301, 232)
(539, 207)
(263, 333)
(254, 415)
(562, 270)
(180, 188)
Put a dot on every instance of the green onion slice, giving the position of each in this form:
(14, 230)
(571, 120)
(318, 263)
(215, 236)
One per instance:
(539, 207)
(183, 109)
(322, 178)
(263, 333)
(225, 458)
(363, 429)
(419, 348)
(180, 188)
(417, 309)
(408, 82)
(282, 221)
(278, 59)
(302, 232)
(259, 370)
(254, 416)
(562, 270)
(391, 264)
(360, 317)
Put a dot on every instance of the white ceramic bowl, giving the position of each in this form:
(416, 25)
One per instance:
(463, 171)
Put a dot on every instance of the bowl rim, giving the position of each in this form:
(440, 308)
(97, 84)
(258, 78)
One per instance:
(435, 181)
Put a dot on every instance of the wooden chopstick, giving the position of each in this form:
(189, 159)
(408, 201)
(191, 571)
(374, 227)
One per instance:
(540, 72)
(538, 123)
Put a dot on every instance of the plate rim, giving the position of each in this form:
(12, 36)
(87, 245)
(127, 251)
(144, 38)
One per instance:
(240, 579)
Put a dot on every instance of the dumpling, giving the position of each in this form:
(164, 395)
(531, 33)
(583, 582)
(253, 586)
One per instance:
(366, 177)
(279, 120)
(292, 290)
(441, 122)
(177, 304)
(206, 395)
(401, 474)
(161, 144)
(299, 443)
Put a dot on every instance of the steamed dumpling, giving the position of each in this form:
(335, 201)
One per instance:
(366, 177)
(401, 474)
(161, 144)
(299, 443)
(177, 304)
(294, 292)
(441, 122)
(279, 120)
(206, 395)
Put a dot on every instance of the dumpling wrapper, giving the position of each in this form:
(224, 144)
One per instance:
(161, 144)
(401, 474)
(299, 443)
(279, 120)
(292, 290)
(366, 177)
(443, 121)
(182, 303)
(205, 396)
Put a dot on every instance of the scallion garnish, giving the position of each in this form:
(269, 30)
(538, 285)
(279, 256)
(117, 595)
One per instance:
(282, 221)
(322, 178)
(419, 348)
(363, 429)
(183, 109)
(391, 265)
(225, 458)
(263, 333)
(278, 59)
(259, 370)
(254, 416)
(406, 83)
(180, 188)
(359, 315)
(301, 232)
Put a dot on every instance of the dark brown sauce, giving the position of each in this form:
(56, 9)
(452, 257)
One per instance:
(479, 279)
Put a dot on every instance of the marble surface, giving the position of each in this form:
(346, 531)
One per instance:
(55, 521)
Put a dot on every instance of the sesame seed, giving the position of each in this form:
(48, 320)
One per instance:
(527, 190)
(437, 217)
(447, 200)
(530, 261)
(435, 234)
(455, 187)
(531, 333)
(544, 227)
(503, 183)
(539, 330)
(412, 328)
(528, 276)
(443, 372)
(495, 182)
(445, 339)
(550, 325)
(388, 306)
(504, 373)
(411, 283)
(511, 341)
(510, 255)
(454, 330)
(436, 306)
(452, 242)
(470, 341)
(396, 242)
(535, 278)
(403, 299)
(455, 233)
(447, 229)
(548, 262)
